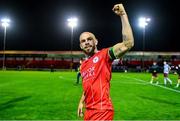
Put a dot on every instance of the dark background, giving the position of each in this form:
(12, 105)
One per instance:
(41, 25)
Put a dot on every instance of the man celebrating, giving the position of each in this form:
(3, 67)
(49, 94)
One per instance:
(96, 70)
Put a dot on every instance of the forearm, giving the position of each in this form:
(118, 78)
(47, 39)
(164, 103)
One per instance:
(127, 34)
(128, 41)
(82, 98)
(80, 107)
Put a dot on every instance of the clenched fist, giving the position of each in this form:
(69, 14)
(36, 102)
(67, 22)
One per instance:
(119, 9)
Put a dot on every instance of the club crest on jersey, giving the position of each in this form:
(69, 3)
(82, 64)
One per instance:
(96, 59)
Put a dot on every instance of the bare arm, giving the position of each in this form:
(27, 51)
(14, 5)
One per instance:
(80, 107)
(128, 39)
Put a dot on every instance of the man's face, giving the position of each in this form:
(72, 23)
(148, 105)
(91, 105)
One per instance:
(88, 43)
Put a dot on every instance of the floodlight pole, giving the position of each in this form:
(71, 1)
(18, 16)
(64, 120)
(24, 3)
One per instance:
(143, 22)
(5, 24)
(72, 34)
(144, 37)
(4, 48)
(72, 22)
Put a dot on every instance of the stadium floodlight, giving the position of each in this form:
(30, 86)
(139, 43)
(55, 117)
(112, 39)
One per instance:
(143, 22)
(5, 23)
(72, 22)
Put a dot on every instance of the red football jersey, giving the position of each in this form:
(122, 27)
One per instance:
(96, 75)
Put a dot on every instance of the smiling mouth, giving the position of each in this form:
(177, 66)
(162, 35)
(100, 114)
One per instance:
(88, 47)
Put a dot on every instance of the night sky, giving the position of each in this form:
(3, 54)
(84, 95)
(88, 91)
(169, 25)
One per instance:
(41, 25)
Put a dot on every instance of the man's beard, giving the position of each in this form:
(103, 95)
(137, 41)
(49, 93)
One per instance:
(91, 52)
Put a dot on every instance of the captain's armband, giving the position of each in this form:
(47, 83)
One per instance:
(111, 53)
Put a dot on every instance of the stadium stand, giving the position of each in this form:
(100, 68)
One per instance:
(132, 61)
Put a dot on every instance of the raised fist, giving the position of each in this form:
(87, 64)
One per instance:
(119, 9)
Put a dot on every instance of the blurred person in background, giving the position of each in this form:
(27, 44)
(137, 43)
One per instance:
(154, 70)
(166, 70)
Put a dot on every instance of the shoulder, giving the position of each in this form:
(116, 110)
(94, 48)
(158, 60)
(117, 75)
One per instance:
(108, 54)
(103, 51)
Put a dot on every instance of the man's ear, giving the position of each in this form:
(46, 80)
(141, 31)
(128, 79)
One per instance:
(96, 42)
(80, 46)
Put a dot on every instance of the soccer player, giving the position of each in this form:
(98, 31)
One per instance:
(96, 70)
(166, 70)
(154, 70)
(78, 73)
(178, 72)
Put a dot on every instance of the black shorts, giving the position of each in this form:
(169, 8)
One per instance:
(154, 74)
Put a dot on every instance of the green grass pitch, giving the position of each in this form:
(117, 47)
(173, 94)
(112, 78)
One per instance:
(33, 95)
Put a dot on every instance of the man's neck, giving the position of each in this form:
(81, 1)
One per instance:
(91, 54)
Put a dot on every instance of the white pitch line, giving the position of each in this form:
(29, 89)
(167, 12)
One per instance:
(138, 83)
(61, 77)
(155, 84)
(140, 80)
(10, 83)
